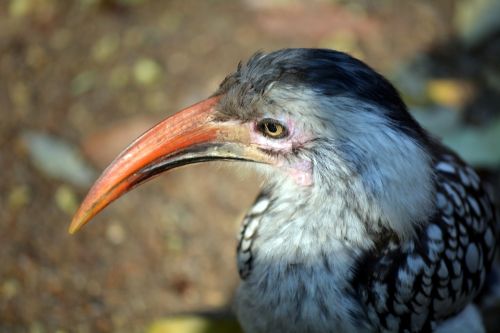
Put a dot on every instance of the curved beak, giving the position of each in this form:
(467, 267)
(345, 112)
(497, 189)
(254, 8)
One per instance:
(189, 136)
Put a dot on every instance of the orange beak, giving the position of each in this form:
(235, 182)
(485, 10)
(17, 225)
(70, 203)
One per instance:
(190, 136)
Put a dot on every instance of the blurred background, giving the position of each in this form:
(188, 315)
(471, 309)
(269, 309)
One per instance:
(80, 79)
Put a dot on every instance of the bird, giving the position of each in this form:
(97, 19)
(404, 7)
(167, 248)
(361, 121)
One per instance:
(365, 222)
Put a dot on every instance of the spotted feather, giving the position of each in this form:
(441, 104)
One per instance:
(421, 282)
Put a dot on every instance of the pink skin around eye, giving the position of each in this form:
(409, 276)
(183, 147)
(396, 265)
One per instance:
(300, 171)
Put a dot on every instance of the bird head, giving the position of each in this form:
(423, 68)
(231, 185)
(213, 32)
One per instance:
(317, 122)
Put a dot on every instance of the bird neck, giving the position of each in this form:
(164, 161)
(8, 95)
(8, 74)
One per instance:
(354, 207)
(320, 212)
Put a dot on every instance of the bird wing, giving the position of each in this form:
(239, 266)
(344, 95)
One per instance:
(415, 284)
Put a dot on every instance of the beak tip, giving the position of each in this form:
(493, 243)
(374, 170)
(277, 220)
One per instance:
(76, 224)
(73, 228)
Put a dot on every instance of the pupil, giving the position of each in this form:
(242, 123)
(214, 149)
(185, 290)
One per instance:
(272, 127)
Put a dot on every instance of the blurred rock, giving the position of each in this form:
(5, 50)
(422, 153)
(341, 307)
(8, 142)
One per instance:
(19, 197)
(260, 4)
(215, 298)
(478, 146)
(417, 87)
(60, 39)
(37, 57)
(104, 145)
(157, 102)
(344, 41)
(66, 199)
(57, 159)
(170, 21)
(42, 11)
(438, 120)
(83, 82)
(10, 288)
(20, 8)
(450, 92)
(195, 324)
(133, 38)
(411, 78)
(177, 62)
(105, 47)
(36, 327)
(128, 2)
(475, 20)
(147, 71)
(119, 77)
(80, 116)
(94, 288)
(20, 96)
(315, 21)
(492, 77)
(115, 233)
(175, 243)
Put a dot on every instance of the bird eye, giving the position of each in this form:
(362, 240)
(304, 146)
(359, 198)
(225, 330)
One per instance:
(272, 128)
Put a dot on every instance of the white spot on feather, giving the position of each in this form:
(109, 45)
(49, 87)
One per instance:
(415, 263)
(260, 206)
(441, 200)
(251, 228)
(464, 178)
(474, 205)
(445, 167)
(443, 271)
(246, 244)
(434, 232)
(453, 194)
(472, 258)
(450, 254)
(381, 291)
(489, 238)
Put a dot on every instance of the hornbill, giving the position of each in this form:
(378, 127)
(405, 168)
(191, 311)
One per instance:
(365, 223)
